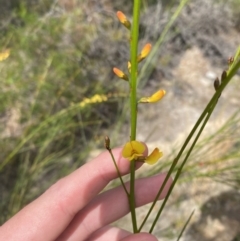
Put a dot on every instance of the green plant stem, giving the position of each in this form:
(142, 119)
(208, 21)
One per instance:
(159, 193)
(175, 161)
(133, 103)
(131, 199)
(185, 225)
(134, 68)
(181, 166)
(119, 174)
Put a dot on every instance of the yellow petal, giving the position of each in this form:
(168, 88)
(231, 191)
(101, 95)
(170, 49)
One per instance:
(132, 150)
(153, 98)
(135, 156)
(138, 147)
(154, 157)
(127, 150)
(157, 96)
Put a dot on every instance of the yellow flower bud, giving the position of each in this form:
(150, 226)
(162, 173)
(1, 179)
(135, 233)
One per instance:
(144, 53)
(123, 19)
(129, 67)
(120, 74)
(153, 98)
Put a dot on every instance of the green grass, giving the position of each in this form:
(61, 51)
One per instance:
(49, 81)
(216, 156)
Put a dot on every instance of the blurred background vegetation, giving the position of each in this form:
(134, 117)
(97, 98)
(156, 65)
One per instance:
(48, 126)
(59, 96)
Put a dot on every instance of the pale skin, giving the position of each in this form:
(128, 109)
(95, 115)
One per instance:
(73, 210)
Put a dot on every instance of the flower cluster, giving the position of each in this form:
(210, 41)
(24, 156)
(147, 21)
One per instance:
(158, 95)
(94, 99)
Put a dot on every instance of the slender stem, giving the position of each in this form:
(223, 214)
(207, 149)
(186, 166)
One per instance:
(209, 107)
(119, 174)
(182, 165)
(134, 67)
(158, 195)
(185, 225)
(176, 161)
(133, 103)
(132, 197)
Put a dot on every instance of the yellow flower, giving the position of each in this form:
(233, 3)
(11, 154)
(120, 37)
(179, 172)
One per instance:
(94, 99)
(4, 55)
(144, 53)
(123, 19)
(120, 74)
(153, 98)
(134, 150)
(129, 66)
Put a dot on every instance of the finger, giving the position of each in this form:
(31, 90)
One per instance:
(112, 205)
(108, 233)
(117, 234)
(140, 237)
(63, 200)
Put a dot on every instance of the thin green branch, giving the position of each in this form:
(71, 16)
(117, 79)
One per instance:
(132, 197)
(118, 172)
(133, 103)
(211, 105)
(134, 67)
(181, 166)
(158, 195)
(185, 225)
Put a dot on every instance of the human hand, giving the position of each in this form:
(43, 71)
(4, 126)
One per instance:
(72, 209)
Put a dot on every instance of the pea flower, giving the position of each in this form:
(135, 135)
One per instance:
(134, 150)
(153, 98)
(120, 74)
(123, 20)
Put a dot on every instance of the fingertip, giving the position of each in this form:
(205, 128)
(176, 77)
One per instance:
(140, 237)
(146, 149)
